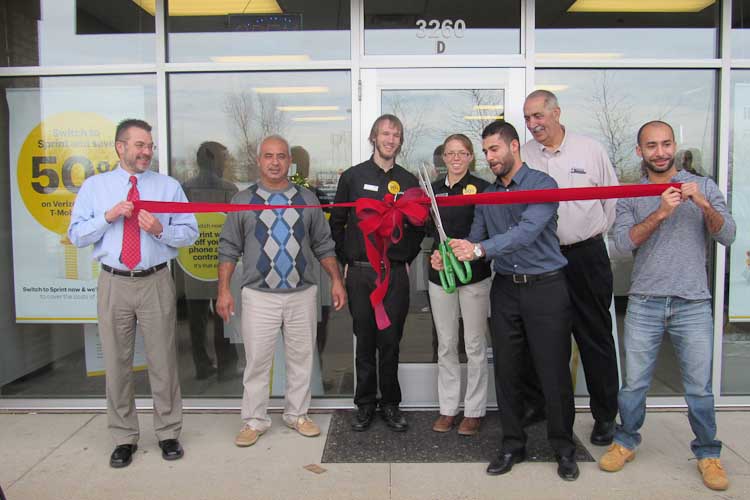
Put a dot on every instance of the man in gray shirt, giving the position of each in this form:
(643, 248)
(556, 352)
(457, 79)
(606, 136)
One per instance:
(278, 249)
(669, 292)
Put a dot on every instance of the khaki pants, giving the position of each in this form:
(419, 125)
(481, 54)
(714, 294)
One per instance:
(263, 315)
(471, 302)
(149, 301)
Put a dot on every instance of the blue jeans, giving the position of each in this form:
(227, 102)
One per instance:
(690, 326)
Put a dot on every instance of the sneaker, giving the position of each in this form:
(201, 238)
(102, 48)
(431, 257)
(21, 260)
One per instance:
(615, 458)
(303, 425)
(247, 436)
(713, 474)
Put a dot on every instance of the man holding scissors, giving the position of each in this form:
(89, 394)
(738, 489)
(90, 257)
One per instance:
(529, 300)
(373, 179)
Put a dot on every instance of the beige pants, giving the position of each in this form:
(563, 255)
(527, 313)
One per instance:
(263, 315)
(472, 302)
(150, 301)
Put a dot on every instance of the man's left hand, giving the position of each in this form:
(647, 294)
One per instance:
(462, 249)
(338, 295)
(690, 190)
(149, 223)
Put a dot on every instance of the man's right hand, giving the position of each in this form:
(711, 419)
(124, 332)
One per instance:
(225, 305)
(122, 209)
(436, 261)
(670, 199)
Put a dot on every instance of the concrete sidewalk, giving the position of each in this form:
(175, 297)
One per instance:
(66, 456)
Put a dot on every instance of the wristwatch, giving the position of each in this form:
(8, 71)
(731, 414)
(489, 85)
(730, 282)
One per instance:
(478, 250)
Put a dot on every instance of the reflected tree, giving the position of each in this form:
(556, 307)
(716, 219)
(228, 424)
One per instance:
(253, 117)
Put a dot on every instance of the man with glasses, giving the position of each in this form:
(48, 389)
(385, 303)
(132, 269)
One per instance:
(575, 160)
(135, 286)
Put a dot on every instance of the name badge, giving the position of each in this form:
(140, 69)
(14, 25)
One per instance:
(371, 187)
(577, 170)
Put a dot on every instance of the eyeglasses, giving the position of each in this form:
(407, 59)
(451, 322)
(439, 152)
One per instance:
(141, 145)
(456, 154)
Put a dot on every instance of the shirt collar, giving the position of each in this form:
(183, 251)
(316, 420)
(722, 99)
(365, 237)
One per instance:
(517, 179)
(461, 182)
(560, 148)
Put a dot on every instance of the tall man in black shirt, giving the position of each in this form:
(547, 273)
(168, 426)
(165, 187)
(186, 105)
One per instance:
(373, 179)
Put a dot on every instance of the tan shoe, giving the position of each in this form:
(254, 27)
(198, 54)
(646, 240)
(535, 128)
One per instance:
(469, 426)
(303, 425)
(247, 436)
(443, 423)
(713, 474)
(615, 458)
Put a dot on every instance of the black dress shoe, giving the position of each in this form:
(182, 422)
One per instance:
(533, 416)
(567, 468)
(394, 419)
(363, 418)
(122, 456)
(503, 463)
(171, 449)
(603, 433)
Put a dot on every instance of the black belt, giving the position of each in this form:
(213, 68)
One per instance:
(134, 274)
(583, 243)
(525, 279)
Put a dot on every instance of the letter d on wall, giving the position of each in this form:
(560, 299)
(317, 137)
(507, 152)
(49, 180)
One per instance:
(440, 47)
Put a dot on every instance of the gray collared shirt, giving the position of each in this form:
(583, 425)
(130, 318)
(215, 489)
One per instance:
(578, 162)
(520, 238)
(672, 261)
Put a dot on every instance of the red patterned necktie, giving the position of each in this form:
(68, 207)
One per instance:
(131, 233)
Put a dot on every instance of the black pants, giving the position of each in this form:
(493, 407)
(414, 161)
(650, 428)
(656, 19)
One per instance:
(589, 278)
(360, 282)
(532, 321)
(199, 311)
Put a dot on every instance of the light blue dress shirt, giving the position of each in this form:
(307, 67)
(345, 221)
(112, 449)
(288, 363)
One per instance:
(101, 192)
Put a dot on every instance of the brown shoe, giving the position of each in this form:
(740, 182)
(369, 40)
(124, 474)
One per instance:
(713, 474)
(303, 425)
(444, 423)
(247, 436)
(469, 426)
(615, 458)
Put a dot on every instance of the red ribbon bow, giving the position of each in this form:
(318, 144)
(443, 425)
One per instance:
(382, 223)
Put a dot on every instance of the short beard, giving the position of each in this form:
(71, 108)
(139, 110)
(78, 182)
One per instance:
(648, 166)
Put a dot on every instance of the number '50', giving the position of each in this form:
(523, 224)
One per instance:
(53, 178)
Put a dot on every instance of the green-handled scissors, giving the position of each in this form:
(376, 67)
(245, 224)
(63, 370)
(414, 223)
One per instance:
(451, 266)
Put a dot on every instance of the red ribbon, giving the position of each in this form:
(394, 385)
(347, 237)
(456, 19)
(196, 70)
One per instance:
(384, 220)
(382, 223)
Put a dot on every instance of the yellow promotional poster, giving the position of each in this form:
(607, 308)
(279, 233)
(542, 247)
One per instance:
(201, 260)
(58, 138)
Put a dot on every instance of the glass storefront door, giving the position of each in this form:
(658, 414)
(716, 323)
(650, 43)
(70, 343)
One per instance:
(434, 103)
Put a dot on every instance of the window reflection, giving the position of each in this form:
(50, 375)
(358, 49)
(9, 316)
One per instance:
(70, 32)
(736, 340)
(562, 32)
(46, 350)
(228, 114)
(610, 106)
(258, 32)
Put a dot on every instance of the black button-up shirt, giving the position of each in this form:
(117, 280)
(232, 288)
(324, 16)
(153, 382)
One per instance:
(457, 221)
(520, 238)
(368, 180)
